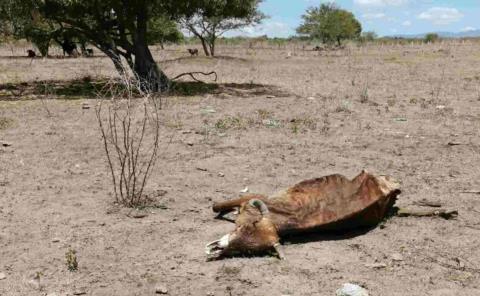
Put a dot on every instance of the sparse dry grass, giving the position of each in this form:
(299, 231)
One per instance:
(268, 123)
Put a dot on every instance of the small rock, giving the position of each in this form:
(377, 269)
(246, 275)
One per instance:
(244, 190)
(201, 169)
(6, 144)
(79, 292)
(311, 98)
(397, 257)
(270, 97)
(35, 284)
(85, 106)
(351, 290)
(220, 174)
(137, 214)
(376, 265)
(440, 107)
(2, 276)
(161, 289)
(190, 143)
(454, 143)
(55, 240)
(208, 110)
(51, 294)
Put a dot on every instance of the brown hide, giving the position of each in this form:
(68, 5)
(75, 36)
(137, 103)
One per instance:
(328, 203)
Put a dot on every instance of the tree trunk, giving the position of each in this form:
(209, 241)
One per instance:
(211, 44)
(204, 45)
(117, 61)
(151, 78)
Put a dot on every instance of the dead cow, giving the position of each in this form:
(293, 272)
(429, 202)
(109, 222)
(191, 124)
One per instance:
(328, 203)
(193, 51)
(31, 53)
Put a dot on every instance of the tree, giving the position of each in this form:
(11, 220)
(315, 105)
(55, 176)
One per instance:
(119, 28)
(330, 24)
(162, 29)
(431, 38)
(19, 22)
(215, 17)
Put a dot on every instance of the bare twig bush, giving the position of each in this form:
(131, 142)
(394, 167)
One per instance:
(130, 128)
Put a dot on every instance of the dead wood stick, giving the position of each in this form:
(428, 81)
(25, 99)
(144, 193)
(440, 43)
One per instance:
(427, 203)
(446, 214)
(191, 74)
(471, 192)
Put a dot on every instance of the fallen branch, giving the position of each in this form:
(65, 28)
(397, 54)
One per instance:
(427, 203)
(470, 192)
(443, 213)
(191, 74)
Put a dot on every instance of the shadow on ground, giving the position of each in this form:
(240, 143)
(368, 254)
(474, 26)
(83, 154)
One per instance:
(88, 88)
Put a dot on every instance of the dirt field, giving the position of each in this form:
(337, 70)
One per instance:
(390, 110)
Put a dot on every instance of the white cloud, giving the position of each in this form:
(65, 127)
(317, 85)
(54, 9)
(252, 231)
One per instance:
(373, 16)
(441, 15)
(380, 2)
(468, 29)
(407, 23)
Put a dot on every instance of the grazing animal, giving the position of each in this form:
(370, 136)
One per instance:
(69, 48)
(317, 48)
(31, 53)
(193, 51)
(89, 52)
(328, 203)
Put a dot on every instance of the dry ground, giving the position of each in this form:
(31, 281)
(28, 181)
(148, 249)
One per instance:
(390, 110)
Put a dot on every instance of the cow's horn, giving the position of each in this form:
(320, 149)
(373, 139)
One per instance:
(278, 249)
(260, 205)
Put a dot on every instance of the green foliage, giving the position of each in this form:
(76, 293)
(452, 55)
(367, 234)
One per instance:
(161, 29)
(212, 18)
(330, 24)
(431, 38)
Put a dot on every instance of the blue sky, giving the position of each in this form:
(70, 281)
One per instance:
(385, 17)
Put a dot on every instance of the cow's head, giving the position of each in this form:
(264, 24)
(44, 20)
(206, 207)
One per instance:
(255, 233)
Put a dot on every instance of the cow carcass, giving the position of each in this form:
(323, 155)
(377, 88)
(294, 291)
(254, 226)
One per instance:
(329, 203)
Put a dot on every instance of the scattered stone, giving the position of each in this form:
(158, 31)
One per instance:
(52, 294)
(137, 214)
(400, 119)
(376, 265)
(397, 257)
(85, 106)
(2, 276)
(220, 174)
(270, 97)
(454, 143)
(244, 190)
(201, 169)
(55, 240)
(161, 289)
(190, 143)
(79, 292)
(311, 98)
(6, 144)
(208, 110)
(351, 290)
(35, 284)
(440, 107)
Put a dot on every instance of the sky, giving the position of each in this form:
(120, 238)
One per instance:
(384, 17)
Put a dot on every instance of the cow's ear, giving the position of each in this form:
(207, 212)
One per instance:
(279, 251)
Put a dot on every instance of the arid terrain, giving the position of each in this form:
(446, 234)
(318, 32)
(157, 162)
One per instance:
(271, 120)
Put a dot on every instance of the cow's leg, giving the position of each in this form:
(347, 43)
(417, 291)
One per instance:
(229, 205)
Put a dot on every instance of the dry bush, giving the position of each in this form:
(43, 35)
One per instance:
(130, 128)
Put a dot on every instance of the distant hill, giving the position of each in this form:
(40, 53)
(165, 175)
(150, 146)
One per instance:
(465, 34)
